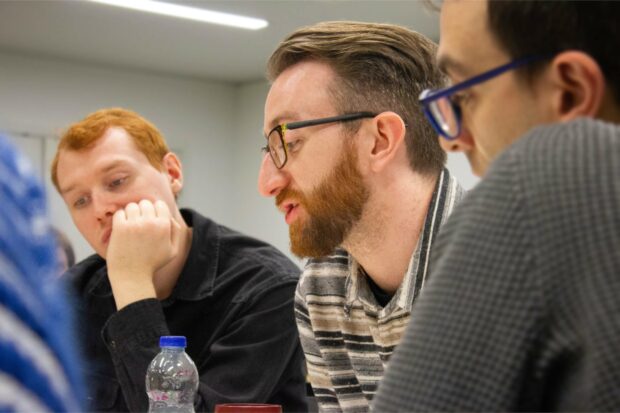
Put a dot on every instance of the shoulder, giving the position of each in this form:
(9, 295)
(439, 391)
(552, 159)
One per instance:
(562, 150)
(556, 170)
(233, 249)
(255, 253)
(253, 266)
(86, 273)
(492, 220)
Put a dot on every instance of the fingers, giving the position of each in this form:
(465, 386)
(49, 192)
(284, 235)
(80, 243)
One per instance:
(147, 208)
(139, 227)
(143, 209)
(161, 209)
(175, 228)
(132, 210)
(118, 217)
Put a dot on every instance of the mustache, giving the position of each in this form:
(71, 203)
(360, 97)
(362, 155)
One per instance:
(288, 193)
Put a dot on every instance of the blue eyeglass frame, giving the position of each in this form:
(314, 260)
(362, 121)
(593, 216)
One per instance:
(428, 96)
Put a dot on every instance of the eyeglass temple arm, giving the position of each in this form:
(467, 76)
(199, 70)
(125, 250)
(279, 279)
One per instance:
(340, 118)
(433, 95)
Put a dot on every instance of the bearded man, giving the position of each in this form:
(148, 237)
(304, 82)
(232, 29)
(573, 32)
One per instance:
(359, 174)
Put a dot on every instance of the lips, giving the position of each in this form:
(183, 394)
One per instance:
(290, 214)
(290, 210)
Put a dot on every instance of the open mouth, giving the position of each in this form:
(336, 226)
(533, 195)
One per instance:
(290, 211)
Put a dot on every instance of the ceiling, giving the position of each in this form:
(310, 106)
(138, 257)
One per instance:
(99, 34)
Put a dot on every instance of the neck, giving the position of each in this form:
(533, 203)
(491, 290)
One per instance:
(609, 111)
(389, 230)
(166, 278)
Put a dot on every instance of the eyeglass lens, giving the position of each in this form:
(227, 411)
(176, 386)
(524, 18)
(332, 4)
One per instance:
(276, 148)
(446, 117)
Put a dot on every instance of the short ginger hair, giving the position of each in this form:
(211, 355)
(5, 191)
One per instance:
(85, 133)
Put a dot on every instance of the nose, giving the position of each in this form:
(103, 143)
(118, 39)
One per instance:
(103, 206)
(271, 180)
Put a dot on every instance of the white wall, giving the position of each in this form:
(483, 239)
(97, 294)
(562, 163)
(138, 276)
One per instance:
(216, 128)
(459, 167)
(257, 215)
(42, 96)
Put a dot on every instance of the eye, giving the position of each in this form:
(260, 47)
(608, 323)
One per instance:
(115, 183)
(460, 98)
(293, 145)
(80, 202)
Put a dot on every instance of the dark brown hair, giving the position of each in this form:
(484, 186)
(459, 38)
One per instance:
(552, 26)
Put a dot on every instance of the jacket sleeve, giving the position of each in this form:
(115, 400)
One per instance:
(132, 337)
(257, 358)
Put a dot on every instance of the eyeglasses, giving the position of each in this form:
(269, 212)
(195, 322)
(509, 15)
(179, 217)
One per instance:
(444, 112)
(278, 148)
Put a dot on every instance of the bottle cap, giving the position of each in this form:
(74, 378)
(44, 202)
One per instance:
(172, 341)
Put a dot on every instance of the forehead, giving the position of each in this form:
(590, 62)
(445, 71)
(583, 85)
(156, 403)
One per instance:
(466, 45)
(300, 92)
(114, 146)
(115, 140)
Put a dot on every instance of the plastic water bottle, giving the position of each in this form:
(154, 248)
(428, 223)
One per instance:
(172, 378)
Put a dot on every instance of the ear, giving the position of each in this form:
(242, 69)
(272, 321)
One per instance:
(388, 138)
(579, 84)
(172, 166)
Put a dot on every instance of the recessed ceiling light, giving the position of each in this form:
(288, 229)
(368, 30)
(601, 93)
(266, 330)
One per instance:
(191, 13)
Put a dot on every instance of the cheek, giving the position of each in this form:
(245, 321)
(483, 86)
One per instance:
(313, 175)
(84, 226)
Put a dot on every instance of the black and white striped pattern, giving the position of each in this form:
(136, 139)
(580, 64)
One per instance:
(346, 336)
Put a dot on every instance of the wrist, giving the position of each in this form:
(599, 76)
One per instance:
(128, 289)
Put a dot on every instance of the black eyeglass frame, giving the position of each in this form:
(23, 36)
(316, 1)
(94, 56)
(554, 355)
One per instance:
(282, 128)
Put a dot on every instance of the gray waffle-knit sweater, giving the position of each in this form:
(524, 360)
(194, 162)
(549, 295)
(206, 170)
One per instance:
(346, 335)
(522, 310)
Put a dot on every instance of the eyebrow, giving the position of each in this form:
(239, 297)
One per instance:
(282, 118)
(107, 168)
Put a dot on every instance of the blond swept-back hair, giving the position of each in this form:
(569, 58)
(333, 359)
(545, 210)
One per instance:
(379, 67)
(85, 133)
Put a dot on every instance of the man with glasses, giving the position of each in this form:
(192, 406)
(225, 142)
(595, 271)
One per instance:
(522, 311)
(359, 175)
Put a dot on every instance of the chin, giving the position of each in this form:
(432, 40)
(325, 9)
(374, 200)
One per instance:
(102, 252)
(477, 169)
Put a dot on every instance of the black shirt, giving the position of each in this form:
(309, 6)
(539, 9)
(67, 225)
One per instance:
(381, 296)
(234, 303)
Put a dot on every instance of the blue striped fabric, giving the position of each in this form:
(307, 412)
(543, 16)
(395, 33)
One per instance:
(38, 361)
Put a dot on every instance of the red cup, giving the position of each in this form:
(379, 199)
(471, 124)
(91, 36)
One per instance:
(248, 408)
